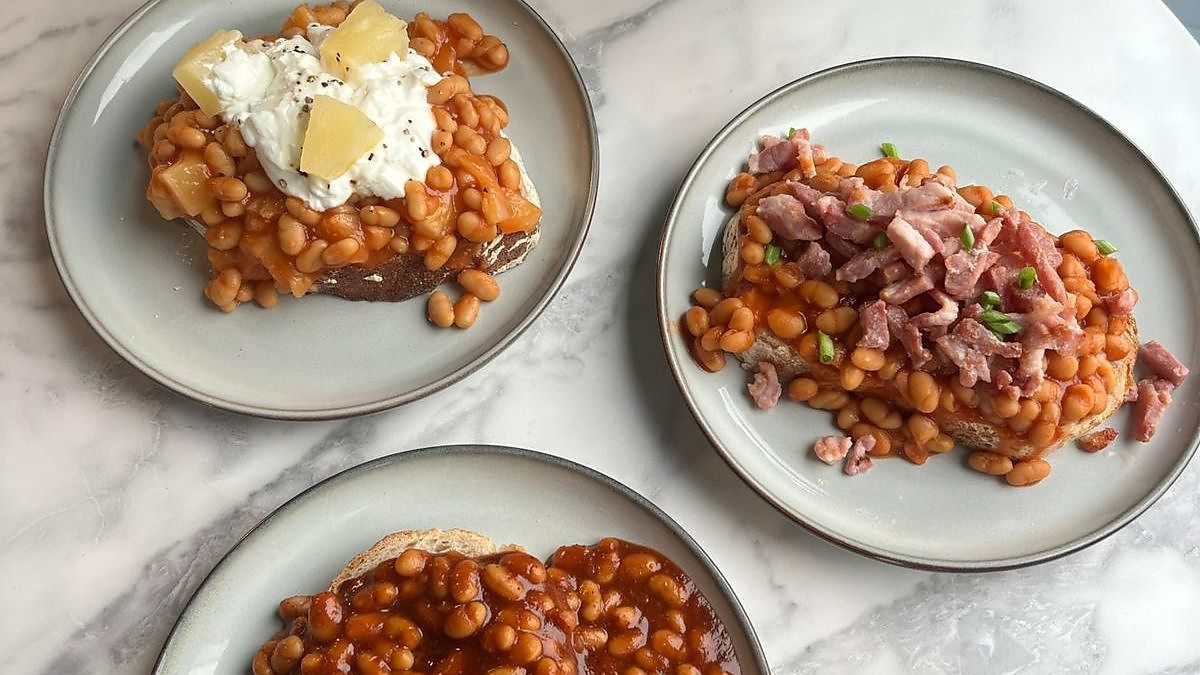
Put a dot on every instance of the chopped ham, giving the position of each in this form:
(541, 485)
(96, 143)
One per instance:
(832, 449)
(1038, 248)
(985, 341)
(1031, 370)
(857, 460)
(1154, 395)
(900, 292)
(1097, 440)
(874, 320)
(971, 364)
(1163, 363)
(947, 223)
(838, 221)
(1001, 378)
(841, 246)
(808, 196)
(1120, 303)
(931, 196)
(863, 264)
(987, 235)
(893, 271)
(814, 262)
(908, 241)
(944, 316)
(964, 269)
(787, 218)
(765, 389)
(778, 154)
(910, 338)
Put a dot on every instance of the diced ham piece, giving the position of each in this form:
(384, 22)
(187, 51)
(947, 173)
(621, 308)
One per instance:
(1038, 248)
(832, 449)
(900, 292)
(985, 341)
(1001, 378)
(1097, 440)
(1154, 395)
(1031, 372)
(863, 264)
(874, 320)
(910, 338)
(932, 238)
(814, 262)
(765, 389)
(778, 154)
(838, 221)
(841, 246)
(808, 196)
(857, 459)
(787, 218)
(944, 316)
(1120, 303)
(985, 237)
(964, 269)
(931, 196)
(947, 223)
(1163, 363)
(972, 366)
(893, 271)
(908, 241)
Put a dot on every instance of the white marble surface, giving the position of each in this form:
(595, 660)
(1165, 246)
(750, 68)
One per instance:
(117, 497)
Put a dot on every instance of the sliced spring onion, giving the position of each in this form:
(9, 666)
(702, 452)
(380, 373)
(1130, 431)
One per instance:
(997, 207)
(860, 211)
(889, 150)
(791, 132)
(967, 237)
(825, 347)
(772, 255)
(1105, 247)
(1027, 278)
(989, 299)
(881, 241)
(999, 323)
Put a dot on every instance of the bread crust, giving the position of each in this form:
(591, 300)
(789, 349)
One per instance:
(433, 540)
(971, 433)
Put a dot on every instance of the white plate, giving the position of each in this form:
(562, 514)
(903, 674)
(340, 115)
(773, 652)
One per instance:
(513, 496)
(138, 279)
(1059, 161)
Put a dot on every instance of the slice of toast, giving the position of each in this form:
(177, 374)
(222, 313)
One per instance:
(971, 433)
(433, 540)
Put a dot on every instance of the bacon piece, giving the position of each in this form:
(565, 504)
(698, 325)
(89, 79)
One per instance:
(841, 246)
(969, 345)
(863, 264)
(814, 261)
(931, 196)
(1097, 440)
(1154, 395)
(787, 218)
(765, 389)
(1163, 363)
(838, 221)
(910, 338)
(990, 231)
(1120, 303)
(1031, 370)
(1037, 246)
(985, 341)
(944, 316)
(947, 223)
(779, 154)
(908, 241)
(874, 320)
(964, 269)
(808, 196)
(857, 460)
(900, 292)
(893, 271)
(832, 449)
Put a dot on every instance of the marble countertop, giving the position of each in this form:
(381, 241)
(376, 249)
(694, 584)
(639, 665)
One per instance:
(117, 497)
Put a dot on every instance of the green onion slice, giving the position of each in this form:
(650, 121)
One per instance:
(881, 241)
(999, 323)
(791, 132)
(997, 207)
(860, 211)
(967, 237)
(772, 254)
(825, 347)
(1026, 278)
(989, 299)
(889, 150)
(1105, 247)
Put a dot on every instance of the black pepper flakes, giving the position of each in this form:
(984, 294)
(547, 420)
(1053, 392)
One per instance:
(308, 99)
(371, 157)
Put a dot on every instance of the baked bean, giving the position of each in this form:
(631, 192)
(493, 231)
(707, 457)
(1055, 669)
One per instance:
(498, 150)
(852, 376)
(990, 463)
(626, 642)
(943, 443)
(441, 142)
(786, 324)
(440, 253)
(444, 120)
(1087, 366)
(825, 181)
(291, 234)
(218, 160)
(742, 319)
(802, 389)
(465, 620)
(233, 209)
(468, 116)
(225, 236)
(527, 649)
(711, 340)
(848, 416)
(1077, 402)
(1117, 347)
(977, 195)
(1079, 244)
(1028, 472)
(922, 428)
(441, 92)
(837, 321)
(380, 216)
(309, 260)
(187, 137)
(377, 238)
(470, 140)
(496, 57)
(223, 289)
(758, 230)
(720, 314)
(1005, 406)
(752, 252)
(819, 293)
(1062, 367)
(440, 310)
(466, 311)
(164, 150)
(325, 616)
(502, 582)
(1109, 276)
(880, 414)
(707, 297)
(473, 198)
(258, 182)
(868, 359)
(473, 228)
(668, 590)
(918, 170)
(510, 175)
(924, 391)
(1071, 268)
(212, 215)
(287, 654)
(265, 294)
(591, 638)
(739, 189)
(756, 274)
(737, 341)
(829, 399)
(877, 173)
(1042, 434)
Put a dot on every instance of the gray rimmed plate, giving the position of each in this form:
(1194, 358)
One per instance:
(303, 544)
(1059, 161)
(138, 279)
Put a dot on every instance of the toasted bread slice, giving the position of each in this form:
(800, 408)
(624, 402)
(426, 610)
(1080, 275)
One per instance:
(433, 540)
(405, 276)
(971, 433)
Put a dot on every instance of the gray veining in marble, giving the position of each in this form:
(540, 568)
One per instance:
(117, 497)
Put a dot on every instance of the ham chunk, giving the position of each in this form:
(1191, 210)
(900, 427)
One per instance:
(948, 223)
(963, 270)
(971, 364)
(910, 338)
(1163, 363)
(874, 321)
(893, 271)
(832, 449)
(985, 341)
(1121, 303)
(1037, 246)
(1154, 395)
(863, 264)
(857, 459)
(944, 316)
(908, 241)
(765, 389)
(814, 262)
(838, 221)
(841, 246)
(787, 218)
(784, 154)
(932, 196)
(902, 291)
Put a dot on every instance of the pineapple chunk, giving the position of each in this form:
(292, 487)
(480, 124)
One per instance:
(186, 181)
(368, 35)
(337, 135)
(198, 63)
